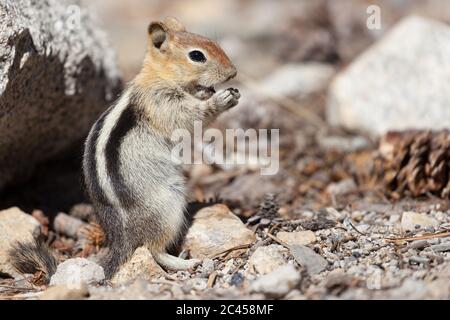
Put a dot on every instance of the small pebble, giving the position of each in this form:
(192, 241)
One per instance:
(207, 266)
(443, 247)
(419, 244)
(237, 279)
(419, 260)
(253, 220)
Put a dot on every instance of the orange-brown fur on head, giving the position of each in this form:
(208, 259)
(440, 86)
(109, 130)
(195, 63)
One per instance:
(167, 58)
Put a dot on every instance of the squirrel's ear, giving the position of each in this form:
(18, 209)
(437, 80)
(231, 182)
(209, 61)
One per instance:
(174, 25)
(158, 34)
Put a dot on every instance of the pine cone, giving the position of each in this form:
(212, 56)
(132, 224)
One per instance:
(416, 163)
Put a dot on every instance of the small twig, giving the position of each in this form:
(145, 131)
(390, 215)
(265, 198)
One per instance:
(424, 237)
(18, 280)
(353, 227)
(18, 288)
(212, 279)
(271, 236)
(226, 252)
(273, 228)
(164, 281)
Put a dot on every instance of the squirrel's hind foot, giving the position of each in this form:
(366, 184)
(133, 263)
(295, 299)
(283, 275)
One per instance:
(174, 263)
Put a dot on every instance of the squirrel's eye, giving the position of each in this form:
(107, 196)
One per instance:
(197, 56)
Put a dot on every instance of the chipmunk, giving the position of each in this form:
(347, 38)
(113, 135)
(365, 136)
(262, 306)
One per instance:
(137, 190)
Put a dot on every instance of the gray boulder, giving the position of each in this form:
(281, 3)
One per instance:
(400, 83)
(15, 226)
(57, 74)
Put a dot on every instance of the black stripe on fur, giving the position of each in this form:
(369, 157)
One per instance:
(126, 122)
(91, 173)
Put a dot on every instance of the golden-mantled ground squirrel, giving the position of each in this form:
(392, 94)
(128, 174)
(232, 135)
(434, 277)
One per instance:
(136, 188)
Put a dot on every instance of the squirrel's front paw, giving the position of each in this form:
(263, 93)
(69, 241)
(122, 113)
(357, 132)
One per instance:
(228, 98)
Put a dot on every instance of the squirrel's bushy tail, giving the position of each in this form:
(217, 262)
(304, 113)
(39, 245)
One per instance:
(34, 256)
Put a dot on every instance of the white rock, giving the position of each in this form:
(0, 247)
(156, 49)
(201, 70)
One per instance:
(412, 219)
(76, 272)
(297, 238)
(15, 226)
(297, 80)
(443, 247)
(306, 257)
(214, 230)
(207, 266)
(141, 265)
(278, 283)
(399, 83)
(266, 259)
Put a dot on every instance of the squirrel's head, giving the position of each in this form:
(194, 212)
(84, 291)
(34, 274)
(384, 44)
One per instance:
(190, 60)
